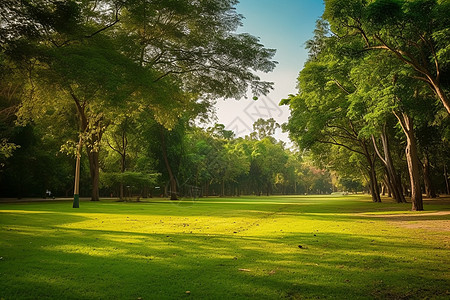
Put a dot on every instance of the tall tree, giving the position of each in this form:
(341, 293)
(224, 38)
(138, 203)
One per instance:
(105, 53)
(320, 113)
(385, 88)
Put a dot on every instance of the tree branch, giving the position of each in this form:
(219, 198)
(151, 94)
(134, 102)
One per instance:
(341, 145)
(110, 146)
(377, 151)
(341, 86)
(94, 33)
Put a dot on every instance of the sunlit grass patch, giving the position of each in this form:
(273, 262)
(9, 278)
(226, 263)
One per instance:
(224, 248)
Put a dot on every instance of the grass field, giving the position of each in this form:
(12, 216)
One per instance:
(308, 247)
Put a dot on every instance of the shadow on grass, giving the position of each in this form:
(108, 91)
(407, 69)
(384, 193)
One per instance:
(43, 259)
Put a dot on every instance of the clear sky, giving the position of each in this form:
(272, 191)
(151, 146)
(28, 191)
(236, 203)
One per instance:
(284, 25)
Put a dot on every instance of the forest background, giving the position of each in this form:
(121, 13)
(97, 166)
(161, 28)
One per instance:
(125, 85)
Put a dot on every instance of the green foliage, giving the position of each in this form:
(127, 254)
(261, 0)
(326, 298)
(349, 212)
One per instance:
(202, 52)
(265, 128)
(100, 62)
(36, 165)
(384, 12)
(414, 32)
(135, 179)
(6, 149)
(351, 185)
(376, 60)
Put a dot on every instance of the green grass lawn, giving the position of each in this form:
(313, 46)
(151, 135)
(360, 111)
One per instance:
(233, 248)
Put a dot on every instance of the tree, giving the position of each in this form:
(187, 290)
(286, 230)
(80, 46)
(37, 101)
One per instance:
(65, 54)
(375, 86)
(195, 42)
(104, 54)
(415, 32)
(11, 88)
(386, 88)
(268, 159)
(320, 112)
(264, 128)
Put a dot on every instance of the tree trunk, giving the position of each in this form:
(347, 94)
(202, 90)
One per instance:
(413, 166)
(122, 151)
(82, 123)
(121, 191)
(93, 150)
(222, 193)
(447, 183)
(412, 159)
(406, 190)
(374, 189)
(76, 189)
(387, 184)
(373, 185)
(95, 137)
(122, 170)
(94, 168)
(172, 180)
(123, 155)
(173, 188)
(386, 159)
(393, 175)
(429, 189)
(437, 88)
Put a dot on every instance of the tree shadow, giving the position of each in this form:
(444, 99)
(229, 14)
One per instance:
(73, 263)
(48, 254)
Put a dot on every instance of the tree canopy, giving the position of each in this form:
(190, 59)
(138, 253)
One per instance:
(375, 71)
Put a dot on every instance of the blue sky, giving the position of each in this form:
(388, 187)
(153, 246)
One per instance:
(284, 25)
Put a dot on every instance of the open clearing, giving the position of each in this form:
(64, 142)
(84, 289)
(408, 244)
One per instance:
(307, 247)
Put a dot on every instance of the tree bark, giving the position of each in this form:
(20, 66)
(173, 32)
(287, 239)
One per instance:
(393, 175)
(123, 156)
(436, 86)
(93, 154)
(207, 189)
(373, 185)
(395, 183)
(447, 183)
(374, 189)
(412, 159)
(429, 188)
(388, 184)
(76, 189)
(121, 191)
